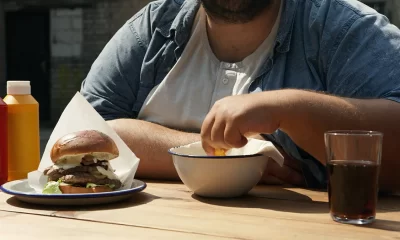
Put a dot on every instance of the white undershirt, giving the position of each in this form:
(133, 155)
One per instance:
(199, 79)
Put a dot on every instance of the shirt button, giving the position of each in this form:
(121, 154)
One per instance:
(225, 81)
(227, 65)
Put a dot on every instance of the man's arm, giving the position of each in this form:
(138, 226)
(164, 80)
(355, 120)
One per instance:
(150, 142)
(361, 64)
(305, 116)
(312, 114)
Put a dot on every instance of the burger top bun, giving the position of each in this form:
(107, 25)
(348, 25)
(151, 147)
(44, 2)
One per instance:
(71, 148)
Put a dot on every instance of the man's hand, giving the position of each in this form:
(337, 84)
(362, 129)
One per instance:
(234, 118)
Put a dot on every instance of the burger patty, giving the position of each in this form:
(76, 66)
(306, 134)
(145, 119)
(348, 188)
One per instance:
(55, 174)
(81, 175)
(83, 178)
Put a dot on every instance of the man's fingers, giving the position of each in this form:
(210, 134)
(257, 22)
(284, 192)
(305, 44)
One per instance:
(206, 127)
(233, 138)
(217, 133)
(208, 149)
(206, 134)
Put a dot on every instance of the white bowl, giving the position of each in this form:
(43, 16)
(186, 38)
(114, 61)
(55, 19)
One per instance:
(217, 176)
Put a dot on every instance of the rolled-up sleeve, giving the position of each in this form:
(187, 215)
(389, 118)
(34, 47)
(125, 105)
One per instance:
(364, 61)
(112, 82)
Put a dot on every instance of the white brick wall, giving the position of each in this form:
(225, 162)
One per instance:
(66, 32)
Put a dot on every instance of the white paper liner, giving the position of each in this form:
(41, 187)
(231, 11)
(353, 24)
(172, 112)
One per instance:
(253, 146)
(77, 116)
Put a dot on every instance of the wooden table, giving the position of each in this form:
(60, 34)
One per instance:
(170, 211)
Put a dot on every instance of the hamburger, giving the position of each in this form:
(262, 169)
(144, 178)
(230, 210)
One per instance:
(81, 164)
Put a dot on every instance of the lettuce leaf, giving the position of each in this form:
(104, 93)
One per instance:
(90, 185)
(52, 187)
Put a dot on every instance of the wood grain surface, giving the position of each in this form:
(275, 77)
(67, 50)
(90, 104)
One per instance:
(170, 211)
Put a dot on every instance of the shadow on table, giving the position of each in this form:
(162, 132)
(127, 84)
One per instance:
(136, 200)
(284, 201)
(388, 203)
(387, 225)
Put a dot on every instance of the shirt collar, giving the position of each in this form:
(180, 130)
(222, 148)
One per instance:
(184, 22)
(180, 27)
(285, 31)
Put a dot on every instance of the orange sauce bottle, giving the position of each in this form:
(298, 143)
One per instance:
(3, 143)
(23, 130)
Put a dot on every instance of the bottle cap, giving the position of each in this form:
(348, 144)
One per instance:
(18, 87)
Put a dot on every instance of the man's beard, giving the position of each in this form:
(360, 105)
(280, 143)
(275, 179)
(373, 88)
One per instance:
(235, 11)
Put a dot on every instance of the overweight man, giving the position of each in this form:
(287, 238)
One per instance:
(219, 71)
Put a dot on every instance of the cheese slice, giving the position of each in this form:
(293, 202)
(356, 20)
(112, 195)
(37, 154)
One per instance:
(109, 174)
(66, 166)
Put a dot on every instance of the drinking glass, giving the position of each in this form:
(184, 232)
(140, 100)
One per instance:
(353, 166)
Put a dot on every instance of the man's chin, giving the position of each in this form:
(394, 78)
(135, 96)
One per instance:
(233, 12)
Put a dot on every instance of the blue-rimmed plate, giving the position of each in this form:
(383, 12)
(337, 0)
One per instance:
(22, 191)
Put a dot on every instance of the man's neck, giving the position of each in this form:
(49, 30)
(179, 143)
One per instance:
(234, 42)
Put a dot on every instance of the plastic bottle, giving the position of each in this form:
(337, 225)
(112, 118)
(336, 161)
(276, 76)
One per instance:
(23, 130)
(3, 143)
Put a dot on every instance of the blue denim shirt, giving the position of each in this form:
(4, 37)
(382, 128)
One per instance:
(340, 47)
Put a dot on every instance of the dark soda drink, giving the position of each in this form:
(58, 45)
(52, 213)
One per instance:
(353, 189)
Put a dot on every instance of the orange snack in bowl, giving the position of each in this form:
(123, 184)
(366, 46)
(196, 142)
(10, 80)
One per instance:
(219, 152)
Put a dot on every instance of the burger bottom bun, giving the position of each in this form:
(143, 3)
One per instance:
(69, 189)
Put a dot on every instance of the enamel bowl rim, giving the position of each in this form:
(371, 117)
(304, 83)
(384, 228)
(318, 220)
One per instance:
(171, 151)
